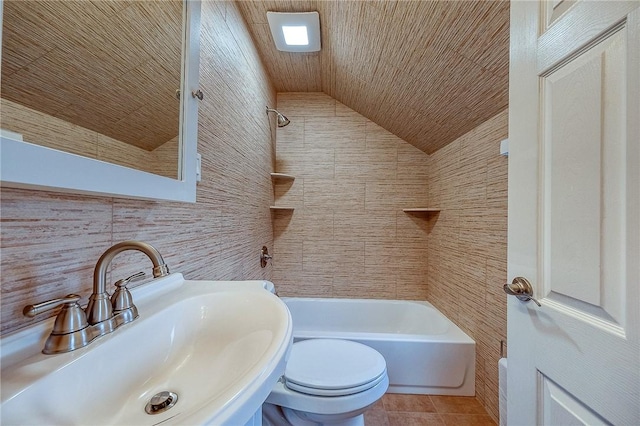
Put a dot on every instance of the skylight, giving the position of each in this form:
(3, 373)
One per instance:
(295, 36)
(295, 32)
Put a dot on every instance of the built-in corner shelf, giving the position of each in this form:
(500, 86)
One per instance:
(421, 210)
(282, 176)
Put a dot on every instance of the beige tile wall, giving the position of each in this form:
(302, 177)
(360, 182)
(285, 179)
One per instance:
(347, 236)
(50, 242)
(467, 262)
(45, 130)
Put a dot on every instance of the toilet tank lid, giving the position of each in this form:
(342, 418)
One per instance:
(333, 364)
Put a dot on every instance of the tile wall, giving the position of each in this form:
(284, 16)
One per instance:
(347, 235)
(50, 241)
(467, 262)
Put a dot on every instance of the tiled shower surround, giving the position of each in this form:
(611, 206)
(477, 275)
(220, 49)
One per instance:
(347, 236)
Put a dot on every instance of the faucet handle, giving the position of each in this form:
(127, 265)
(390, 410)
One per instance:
(38, 308)
(135, 277)
(121, 300)
(71, 317)
(70, 329)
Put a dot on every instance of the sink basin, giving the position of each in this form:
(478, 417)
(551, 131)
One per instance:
(219, 345)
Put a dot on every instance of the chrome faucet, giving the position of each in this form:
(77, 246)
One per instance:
(75, 328)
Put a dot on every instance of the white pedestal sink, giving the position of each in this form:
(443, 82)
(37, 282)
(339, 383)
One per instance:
(219, 345)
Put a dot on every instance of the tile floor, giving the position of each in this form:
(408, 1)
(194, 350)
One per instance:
(427, 410)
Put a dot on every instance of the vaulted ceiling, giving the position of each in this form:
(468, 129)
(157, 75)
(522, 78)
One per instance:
(427, 71)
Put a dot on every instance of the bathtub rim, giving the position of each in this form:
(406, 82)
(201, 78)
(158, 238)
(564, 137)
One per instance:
(453, 334)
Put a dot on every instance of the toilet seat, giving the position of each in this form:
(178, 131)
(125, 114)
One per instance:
(332, 367)
(335, 392)
(335, 378)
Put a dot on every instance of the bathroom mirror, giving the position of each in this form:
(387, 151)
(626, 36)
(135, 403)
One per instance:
(128, 105)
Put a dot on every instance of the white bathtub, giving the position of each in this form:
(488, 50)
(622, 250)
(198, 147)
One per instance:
(426, 353)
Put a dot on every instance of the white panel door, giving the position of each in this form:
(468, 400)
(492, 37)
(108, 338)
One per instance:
(574, 212)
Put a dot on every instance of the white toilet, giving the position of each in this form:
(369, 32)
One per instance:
(327, 382)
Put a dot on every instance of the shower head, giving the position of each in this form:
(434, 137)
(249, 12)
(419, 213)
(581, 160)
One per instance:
(281, 120)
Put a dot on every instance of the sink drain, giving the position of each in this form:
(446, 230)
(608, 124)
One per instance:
(161, 402)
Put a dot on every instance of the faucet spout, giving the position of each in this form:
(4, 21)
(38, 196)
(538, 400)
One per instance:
(99, 309)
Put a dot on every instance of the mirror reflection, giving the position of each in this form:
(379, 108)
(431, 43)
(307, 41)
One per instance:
(95, 78)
